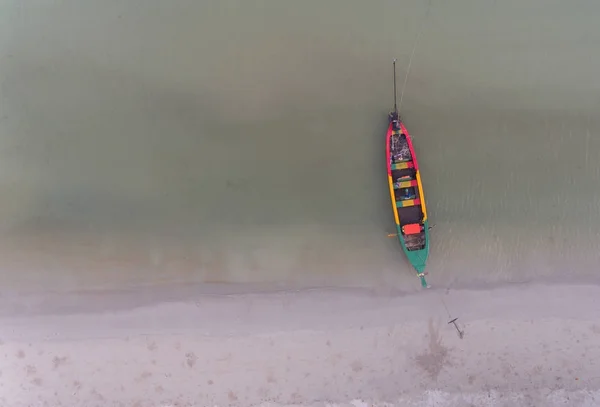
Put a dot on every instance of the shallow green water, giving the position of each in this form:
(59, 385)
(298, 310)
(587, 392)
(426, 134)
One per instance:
(240, 141)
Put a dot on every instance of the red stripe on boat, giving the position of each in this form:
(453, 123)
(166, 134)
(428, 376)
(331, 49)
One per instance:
(410, 146)
(387, 150)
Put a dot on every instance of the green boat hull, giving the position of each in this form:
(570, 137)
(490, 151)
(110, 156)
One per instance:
(417, 258)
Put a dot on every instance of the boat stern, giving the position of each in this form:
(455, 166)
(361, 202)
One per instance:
(418, 258)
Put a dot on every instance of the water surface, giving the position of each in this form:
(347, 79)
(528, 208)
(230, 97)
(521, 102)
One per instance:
(147, 142)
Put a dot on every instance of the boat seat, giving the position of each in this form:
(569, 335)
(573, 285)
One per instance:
(405, 184)
(408, 202)
(403, 165)
(411, 229)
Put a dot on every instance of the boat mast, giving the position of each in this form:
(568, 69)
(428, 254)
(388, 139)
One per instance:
(395, 93)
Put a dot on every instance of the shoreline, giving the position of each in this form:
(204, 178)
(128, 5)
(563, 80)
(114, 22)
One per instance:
(19, 302)
(309, 348)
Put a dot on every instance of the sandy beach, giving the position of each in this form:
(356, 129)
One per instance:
(522, 346)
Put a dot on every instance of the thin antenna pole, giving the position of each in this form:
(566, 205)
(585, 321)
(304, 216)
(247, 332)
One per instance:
(412, 54)
(395, 93)
(409, 64)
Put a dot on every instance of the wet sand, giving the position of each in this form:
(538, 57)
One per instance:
(154, 153)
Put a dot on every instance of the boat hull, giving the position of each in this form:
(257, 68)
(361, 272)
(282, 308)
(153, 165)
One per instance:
(407, 197)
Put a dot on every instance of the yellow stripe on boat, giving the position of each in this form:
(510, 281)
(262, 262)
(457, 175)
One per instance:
(423, 208)
(392, 195)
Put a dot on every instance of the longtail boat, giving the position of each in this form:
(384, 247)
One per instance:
(406, 192)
